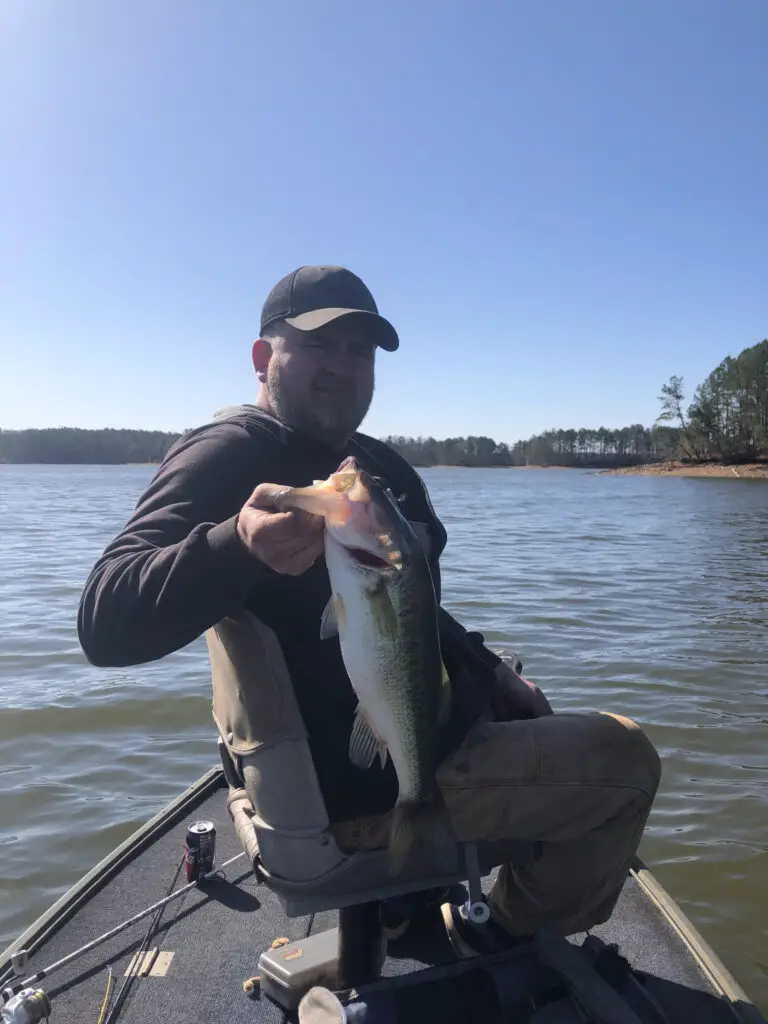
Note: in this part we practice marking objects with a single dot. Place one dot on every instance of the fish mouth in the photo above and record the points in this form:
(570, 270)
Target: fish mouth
(367, 558)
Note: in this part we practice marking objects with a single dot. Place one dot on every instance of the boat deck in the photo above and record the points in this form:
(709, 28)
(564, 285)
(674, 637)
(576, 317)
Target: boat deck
(216, 936)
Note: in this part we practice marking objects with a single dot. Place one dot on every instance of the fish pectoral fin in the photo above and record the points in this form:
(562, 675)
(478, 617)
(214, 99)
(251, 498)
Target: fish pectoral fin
(444, 710)
(329, 624)
(364, 744)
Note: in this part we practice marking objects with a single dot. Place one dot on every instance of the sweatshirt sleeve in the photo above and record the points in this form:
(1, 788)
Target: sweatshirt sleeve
(178, 566)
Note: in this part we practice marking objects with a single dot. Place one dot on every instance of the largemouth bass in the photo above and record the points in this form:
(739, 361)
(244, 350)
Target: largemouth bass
(384, 609)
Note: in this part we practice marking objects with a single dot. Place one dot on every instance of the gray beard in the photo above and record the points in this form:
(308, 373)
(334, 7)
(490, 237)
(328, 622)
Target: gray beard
(334, 426)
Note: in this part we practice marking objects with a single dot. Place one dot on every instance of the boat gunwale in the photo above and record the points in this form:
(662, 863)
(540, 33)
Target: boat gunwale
(707, 960)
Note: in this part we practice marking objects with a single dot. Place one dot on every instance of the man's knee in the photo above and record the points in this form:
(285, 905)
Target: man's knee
(633, 745)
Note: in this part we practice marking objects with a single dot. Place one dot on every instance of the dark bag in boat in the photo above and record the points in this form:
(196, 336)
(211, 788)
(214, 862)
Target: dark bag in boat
(547, 982)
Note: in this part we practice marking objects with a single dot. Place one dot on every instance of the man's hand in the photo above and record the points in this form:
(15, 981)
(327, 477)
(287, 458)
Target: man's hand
(516, 697)
(288, 542)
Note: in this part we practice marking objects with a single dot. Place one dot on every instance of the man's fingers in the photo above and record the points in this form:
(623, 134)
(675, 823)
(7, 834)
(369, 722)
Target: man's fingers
(265, 497)
(312, 522)
(537, 702)
(296, 530)
(517, 697)
(290, 545)
(294, 563)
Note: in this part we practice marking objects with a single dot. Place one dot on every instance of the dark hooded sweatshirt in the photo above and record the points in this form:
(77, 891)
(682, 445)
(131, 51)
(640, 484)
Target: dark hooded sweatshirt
(178, 567)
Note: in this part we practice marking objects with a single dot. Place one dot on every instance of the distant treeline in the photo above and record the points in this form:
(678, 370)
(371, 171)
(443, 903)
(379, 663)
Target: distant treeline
(71, 445)
(628, 446)
(727, 420)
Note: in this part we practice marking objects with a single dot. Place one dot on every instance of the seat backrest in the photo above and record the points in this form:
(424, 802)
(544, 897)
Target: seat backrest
(259, 721)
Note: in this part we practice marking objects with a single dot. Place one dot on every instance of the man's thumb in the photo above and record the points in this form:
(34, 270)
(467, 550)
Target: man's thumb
(265, 497)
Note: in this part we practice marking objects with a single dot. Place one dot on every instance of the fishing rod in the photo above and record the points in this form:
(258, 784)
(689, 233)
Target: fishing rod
(12, 990)
(122, 995)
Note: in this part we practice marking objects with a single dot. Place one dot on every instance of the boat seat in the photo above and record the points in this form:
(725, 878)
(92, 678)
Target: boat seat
(280, 816)
(364, 876)
(357, 884)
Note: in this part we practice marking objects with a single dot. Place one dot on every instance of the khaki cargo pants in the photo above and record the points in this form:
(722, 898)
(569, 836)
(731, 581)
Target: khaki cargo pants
(581, 784)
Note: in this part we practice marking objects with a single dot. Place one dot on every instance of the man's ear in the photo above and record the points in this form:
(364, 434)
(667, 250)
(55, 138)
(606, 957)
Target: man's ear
(261, 354)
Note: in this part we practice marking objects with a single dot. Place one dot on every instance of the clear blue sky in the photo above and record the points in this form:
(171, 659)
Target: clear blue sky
(559, 203)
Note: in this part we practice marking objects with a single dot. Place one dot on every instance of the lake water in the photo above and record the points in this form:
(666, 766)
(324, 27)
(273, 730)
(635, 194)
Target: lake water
(643, 596)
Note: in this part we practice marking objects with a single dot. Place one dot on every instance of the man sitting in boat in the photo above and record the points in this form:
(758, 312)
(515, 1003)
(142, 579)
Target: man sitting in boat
(206, 542)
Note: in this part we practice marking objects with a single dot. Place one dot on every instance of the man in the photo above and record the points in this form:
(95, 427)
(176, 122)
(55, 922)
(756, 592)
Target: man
(206, 540)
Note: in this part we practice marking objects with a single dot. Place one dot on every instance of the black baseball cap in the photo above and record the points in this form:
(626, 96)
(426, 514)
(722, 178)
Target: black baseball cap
(312, 297)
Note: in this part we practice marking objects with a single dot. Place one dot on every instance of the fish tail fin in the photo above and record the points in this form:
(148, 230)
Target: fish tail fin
(422, 829)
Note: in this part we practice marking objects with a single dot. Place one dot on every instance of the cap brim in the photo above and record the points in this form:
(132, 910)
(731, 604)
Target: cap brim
(382, 330)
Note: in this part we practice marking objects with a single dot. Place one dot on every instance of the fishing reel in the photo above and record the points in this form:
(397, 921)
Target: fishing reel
(29, 1006)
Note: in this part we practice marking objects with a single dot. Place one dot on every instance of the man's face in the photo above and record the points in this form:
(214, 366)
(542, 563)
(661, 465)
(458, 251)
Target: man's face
(321, 382)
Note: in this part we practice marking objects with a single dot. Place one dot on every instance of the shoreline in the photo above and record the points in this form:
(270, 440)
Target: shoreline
(445, 465)
(711, 470)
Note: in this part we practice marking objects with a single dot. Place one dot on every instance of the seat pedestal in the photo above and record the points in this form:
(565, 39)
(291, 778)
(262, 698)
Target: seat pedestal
(361, 949)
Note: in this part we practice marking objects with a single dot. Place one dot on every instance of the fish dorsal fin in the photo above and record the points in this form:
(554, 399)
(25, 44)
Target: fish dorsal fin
(364, 744)
(444, 707)
(329, 624)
